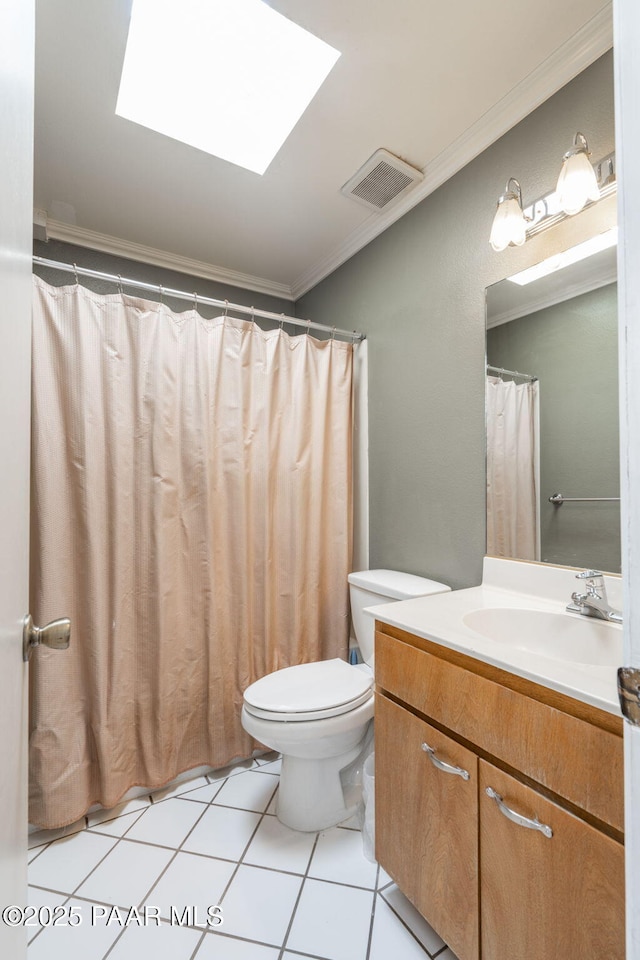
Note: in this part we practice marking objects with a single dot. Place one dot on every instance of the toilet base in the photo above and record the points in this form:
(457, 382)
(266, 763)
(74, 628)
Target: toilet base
(310, 796)
(314, 753)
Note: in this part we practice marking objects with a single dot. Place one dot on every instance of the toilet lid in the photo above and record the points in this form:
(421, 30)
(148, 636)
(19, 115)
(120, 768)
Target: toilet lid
(309, 691)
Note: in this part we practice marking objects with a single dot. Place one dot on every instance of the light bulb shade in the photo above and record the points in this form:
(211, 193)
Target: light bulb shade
(509, 225)
(577, 183)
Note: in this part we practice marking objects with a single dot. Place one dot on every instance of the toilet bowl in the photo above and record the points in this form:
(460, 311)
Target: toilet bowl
(319, 715)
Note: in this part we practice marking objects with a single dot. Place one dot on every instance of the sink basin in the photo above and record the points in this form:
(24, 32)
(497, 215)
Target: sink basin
(576, 639)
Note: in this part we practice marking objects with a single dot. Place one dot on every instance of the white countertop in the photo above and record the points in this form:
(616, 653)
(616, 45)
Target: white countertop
(440, 618)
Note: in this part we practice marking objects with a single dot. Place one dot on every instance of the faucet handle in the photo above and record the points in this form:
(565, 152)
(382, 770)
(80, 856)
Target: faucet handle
(594, 582)
(588, 575)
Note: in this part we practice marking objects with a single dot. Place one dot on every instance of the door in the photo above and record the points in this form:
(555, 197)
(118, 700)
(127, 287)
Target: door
(554, 891)
(16, 204)
(627, 85)
(426, 822)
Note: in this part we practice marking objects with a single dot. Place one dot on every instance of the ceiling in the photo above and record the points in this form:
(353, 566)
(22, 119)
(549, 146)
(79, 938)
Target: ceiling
(432, 82)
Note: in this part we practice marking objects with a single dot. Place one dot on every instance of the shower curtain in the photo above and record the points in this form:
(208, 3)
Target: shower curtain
(512, 469)
(192, 514)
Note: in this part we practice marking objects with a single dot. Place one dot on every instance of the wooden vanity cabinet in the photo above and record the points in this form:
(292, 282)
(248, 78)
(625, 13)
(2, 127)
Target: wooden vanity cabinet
(546, 896)
(489, 885)
(426, 823)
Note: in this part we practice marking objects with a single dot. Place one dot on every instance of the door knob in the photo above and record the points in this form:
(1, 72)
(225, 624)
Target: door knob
(55, 635)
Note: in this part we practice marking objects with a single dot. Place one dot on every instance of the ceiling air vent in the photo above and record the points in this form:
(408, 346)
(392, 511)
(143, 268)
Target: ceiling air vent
(381, 181)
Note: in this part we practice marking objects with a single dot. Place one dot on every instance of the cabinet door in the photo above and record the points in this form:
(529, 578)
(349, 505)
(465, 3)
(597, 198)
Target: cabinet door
(426, 823)
(546, 897)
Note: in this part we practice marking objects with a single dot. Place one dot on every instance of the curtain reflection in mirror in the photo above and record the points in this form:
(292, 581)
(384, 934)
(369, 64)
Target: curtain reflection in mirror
(512, 469)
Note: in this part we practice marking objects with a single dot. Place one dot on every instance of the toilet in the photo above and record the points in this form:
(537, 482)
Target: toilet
(319, 715)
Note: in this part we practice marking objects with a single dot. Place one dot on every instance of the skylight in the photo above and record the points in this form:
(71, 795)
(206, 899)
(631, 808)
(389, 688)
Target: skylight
(230, 77)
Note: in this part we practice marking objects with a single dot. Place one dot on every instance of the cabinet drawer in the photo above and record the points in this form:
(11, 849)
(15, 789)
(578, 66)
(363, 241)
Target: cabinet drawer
(573, 758)
(546, 897)
(426, 822)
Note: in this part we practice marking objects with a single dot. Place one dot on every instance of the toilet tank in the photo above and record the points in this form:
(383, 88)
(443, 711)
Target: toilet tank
(370, 587)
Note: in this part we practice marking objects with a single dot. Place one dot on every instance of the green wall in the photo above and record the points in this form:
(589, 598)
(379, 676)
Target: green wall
(418, 292)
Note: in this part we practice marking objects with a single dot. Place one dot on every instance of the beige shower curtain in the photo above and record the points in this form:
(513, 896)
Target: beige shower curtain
(192, 515)
(512, 469)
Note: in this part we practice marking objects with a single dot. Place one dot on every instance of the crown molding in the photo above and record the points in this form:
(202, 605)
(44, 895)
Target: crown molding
(70, 233)
(565, 63)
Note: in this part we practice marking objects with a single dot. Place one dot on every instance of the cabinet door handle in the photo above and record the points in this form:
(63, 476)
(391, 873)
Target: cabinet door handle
(441, 765)
(517, 817)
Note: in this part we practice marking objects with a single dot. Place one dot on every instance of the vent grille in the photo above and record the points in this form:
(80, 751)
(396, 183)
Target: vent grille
(381, 180)
(382, 185)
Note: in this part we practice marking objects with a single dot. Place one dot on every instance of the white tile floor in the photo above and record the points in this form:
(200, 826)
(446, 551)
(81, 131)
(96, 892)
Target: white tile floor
(216, 841)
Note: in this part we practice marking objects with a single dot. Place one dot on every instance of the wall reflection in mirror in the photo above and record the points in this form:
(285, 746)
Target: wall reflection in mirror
(552, 420)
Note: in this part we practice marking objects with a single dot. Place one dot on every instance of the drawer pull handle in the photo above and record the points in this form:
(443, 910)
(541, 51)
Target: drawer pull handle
(517, 817)
(441, 765)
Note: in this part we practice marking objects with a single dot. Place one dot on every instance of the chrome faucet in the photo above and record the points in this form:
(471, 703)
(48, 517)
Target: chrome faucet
(593, 603)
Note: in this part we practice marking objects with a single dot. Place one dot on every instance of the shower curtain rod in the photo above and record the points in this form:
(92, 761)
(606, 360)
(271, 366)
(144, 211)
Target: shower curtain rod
(512, 373)
(195, 298)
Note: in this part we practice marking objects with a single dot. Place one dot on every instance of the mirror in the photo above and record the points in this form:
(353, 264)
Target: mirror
(553, 428)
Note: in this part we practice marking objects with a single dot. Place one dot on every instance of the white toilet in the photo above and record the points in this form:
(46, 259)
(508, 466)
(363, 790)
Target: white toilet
(318, 715)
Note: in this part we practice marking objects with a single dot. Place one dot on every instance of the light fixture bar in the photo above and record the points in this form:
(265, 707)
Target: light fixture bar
(546, 212)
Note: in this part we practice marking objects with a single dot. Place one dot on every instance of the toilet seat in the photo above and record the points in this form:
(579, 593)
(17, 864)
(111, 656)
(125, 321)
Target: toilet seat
(309, 691)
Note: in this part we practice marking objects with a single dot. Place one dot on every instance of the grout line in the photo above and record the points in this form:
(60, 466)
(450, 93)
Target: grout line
(116, 840)
(390, 883)
(230, 936)
(305, 956)
(178, 796)
(38, 854)
(177, 851)
(116, 816)
(373, 915)
(112, 947)
(240, 861)
(231, 767)
(231, 806)
(408, 928)
(42, 929)
(295, 906)
(100, 833)
(198, 945)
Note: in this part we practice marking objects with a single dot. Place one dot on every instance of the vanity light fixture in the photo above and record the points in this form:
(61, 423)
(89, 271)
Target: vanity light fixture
(509, 224)
(580, 183)
(577, 183)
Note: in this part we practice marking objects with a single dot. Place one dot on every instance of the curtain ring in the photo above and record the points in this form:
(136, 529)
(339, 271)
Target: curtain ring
(226, 308)
(253, 314)
(120, 285)
(161, 288)
(282, 321)
(75, 271)
(195, 300)
(333, 333)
